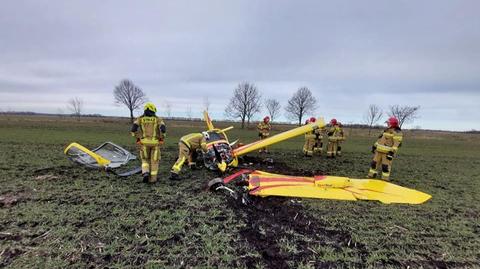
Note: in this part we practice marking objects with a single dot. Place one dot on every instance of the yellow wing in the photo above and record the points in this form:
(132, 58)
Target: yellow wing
(332, 187)
(208, 121)
(320, 123)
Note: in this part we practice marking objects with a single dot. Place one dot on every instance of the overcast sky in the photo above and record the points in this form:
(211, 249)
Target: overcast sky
(349, 53)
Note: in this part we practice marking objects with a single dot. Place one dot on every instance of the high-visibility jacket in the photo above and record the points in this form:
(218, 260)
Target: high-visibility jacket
(335, 133)
(150, 130)
(389, 141)
(310, 135)
(264, 128)
(194, 141)
(319, 133)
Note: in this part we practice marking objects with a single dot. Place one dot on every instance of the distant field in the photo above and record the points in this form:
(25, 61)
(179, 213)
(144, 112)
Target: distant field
(56, 214)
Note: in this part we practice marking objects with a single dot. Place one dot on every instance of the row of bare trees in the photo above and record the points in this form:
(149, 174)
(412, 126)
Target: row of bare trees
(246, 102)
(404, 114)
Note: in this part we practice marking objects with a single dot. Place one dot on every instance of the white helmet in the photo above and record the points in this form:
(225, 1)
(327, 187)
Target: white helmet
(206, 135)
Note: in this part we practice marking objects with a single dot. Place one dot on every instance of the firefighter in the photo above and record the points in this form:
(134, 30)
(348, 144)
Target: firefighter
(335, 135)
(187, 147)
(385, 149)
(149, 130)
(264, 128)
(318, 146)
(309, 140)
(341, 140)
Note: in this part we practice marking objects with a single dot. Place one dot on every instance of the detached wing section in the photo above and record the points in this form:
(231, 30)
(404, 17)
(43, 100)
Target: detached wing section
(331, 187)
(320, 123)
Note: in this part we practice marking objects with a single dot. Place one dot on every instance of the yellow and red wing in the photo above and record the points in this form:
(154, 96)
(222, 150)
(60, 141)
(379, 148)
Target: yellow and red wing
(331, 187)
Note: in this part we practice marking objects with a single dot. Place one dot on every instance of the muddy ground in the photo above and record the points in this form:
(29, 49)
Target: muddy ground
(54, 214)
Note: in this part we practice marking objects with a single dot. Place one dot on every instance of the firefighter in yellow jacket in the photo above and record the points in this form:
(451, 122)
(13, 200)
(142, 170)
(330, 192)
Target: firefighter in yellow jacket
(187, 147)
(309, 139)
(318, 146)
(149, 131)
(264, 128)
(385, 149)
(335, 136)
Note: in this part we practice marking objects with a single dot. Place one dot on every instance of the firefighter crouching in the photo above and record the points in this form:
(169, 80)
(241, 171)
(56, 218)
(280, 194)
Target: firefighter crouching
(149, 131)
(385, 149)
(335, 136)
(309, 140)
(264, 128)
(187, 147)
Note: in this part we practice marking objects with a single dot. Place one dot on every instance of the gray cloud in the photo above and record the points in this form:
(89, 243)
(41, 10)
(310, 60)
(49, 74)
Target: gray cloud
(350, 53)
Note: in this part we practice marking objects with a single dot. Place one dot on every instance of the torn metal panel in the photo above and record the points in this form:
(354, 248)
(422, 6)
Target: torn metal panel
(107, 155)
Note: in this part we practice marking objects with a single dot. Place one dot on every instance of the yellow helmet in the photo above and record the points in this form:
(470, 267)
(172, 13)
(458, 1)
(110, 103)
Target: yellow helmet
(150, 106)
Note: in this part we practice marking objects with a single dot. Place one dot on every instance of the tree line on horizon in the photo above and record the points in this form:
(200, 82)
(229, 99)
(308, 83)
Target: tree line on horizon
(246, 102)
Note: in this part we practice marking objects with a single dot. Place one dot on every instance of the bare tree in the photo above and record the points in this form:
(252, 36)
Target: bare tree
(404, 114)
(273, 108)
(130, 95)
(206, 103)
(75, 105)
(245, 103)
(168, 108)
(301, 103)
(373, 115)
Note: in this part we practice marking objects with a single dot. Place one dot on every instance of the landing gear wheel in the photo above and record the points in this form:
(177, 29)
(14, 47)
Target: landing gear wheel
(215, 183)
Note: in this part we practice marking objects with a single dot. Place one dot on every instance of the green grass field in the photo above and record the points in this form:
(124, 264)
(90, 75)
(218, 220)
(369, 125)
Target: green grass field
(56, 214)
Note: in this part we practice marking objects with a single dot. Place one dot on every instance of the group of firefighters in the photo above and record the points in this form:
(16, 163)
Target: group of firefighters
(150, 132)
(314, 139)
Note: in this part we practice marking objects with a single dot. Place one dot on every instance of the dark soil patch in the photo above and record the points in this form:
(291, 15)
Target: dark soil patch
(8, 255)
(10, 199)
(10, 237)
(271, 219)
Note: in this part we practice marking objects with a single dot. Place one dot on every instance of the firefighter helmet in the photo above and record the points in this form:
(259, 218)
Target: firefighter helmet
(312, 120)
(333, 122)
(392, 122)
(150, 106)
(266, 119)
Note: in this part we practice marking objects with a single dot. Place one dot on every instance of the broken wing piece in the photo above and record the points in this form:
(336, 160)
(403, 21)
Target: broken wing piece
(107, 155)
(331, 187)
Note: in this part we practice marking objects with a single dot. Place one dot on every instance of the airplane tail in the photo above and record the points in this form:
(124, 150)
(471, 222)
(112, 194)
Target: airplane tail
(208, 121)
